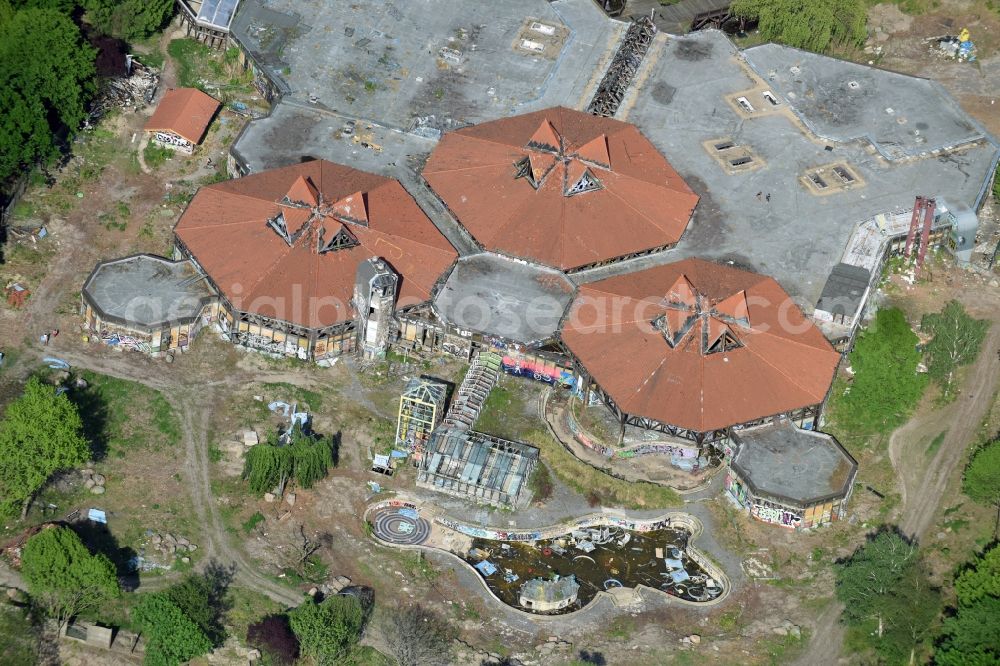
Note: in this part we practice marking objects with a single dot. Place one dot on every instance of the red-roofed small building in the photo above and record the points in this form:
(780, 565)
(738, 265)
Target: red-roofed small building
(181, 119)
(561, 188)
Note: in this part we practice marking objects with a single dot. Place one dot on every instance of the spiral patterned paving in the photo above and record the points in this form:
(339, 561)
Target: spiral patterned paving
(393, 526)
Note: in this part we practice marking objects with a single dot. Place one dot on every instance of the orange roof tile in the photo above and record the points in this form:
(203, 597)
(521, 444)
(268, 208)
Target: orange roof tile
(225, 229)
(782, 361)
(636, 202)
(186, 112)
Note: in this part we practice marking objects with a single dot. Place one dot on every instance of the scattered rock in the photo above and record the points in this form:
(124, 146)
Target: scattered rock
(156, 539)
(170, 538)
(694, 639)
(185, 560)
(89, 483)
(97, 490)
(290, 498)
(99, 479)
(87, 471)
(183, 542)
(253, 655)
(312, 592)
(269, 497)
(192, 547)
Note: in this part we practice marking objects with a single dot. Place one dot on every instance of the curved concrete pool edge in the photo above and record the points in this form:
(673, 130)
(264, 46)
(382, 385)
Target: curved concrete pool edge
(605, 517)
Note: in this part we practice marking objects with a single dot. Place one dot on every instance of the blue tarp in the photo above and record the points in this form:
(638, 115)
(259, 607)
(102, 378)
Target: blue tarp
(399, 454)
(673, 564)
(486, 568)
(409, 513)
(97, 516)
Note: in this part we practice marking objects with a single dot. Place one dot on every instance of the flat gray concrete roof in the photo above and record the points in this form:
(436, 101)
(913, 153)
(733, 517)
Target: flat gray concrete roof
(799, 465)
(903, 116)
(146, 292)
(493, 295)
(798, 236)
(435, 64)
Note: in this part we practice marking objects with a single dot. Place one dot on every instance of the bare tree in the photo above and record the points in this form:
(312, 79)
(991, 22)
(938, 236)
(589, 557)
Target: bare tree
(302, 547)
(417, 636)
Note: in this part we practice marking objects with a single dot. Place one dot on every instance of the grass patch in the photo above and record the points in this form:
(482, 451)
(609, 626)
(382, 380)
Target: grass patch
(306, 399)
(365, 655)
(155, 155)
(252, 522)
(936, 443)
(247, 607)
(120, 415)
(20, 638)
(154, 59)
(189, 55)
(540, 483)
(599, 487)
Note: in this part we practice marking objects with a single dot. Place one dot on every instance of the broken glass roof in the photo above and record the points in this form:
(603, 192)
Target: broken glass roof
(217, 13)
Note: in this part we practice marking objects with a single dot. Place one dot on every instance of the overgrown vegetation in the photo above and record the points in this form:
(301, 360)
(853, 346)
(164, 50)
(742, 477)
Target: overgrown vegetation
(19, 646)
(129, 19)
(886, 385)
(981, 481)
(40, 434)
(971, 631)
(64, 578)
(296, 454)
(540, 483)
(48, 76)
(815, 25)
(889, 604)
(156, 155)
(149, 422)
(599, 487)
(956, 340)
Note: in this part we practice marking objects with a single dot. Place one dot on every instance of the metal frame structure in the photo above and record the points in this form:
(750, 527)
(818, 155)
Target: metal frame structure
(471, 464)
(623, 68)
(421, 408)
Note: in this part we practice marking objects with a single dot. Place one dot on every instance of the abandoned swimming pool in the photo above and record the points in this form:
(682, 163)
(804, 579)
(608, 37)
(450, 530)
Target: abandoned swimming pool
(562, 569)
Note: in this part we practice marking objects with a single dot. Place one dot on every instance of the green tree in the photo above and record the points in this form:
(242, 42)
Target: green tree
(172, 638)
(40, 434)
(807, 24)
(63, 577)
(204, 599)
(981, 481)
(46, 78)
(298, 455)
(888, 601)
(129, 19)
(956, 341)
(970, 636)
(886, 384)
(328, 629)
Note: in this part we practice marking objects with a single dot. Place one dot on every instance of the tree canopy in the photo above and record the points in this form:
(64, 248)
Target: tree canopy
(807, 24)
(273, 636)
(172, 638)
(41, 433)
(46, 79)
(63, 577)
(298, 455)
(886, 384)
(204, 599)
(971, 635)
(327, 629)
(129, 19)
(956, 340)
(981, 481)
(888, 600)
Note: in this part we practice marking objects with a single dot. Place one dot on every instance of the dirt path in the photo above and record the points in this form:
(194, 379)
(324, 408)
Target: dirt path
(193, 405)
(923, 486)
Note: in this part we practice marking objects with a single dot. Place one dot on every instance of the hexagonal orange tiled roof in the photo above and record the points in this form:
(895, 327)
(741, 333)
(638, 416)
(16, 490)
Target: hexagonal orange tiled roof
(560, 187)
(699, 345)
(286, 243)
